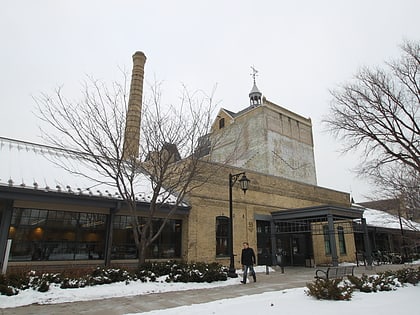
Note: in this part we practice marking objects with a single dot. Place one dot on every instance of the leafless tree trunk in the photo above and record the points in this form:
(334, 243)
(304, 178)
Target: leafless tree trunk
(378, 113)
(404, 185)
(92, 130)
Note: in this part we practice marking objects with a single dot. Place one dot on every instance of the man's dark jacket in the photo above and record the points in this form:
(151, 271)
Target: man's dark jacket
(248, 257)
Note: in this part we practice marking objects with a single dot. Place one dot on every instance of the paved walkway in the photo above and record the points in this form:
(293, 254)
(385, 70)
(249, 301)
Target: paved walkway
(293, 277)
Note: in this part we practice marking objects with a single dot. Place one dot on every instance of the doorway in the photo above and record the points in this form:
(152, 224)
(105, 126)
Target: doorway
(293, 249)
(264, 253)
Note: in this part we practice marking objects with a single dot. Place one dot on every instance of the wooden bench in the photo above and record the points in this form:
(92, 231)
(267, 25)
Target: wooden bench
(335, 272)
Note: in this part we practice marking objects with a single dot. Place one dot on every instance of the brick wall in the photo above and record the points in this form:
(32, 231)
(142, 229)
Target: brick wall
(265, 194)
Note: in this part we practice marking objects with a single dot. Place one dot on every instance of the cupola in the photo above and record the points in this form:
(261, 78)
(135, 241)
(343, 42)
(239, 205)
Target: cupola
(255, 96)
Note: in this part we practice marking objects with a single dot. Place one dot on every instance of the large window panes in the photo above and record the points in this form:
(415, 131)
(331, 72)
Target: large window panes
(327, 243)
(56, 235)
(264, 242)
(167, 245)
(222, 228)
(341, 240)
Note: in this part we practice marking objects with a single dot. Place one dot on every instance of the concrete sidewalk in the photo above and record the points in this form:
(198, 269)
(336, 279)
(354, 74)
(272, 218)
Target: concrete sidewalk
(293, 277)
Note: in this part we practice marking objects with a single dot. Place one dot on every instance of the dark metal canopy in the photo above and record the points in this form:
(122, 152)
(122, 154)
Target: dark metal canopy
(40, 195)
(301, 220)
(318, 211)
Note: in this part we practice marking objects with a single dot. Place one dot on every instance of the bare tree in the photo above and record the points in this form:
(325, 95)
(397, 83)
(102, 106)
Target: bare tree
(400, 183)
(378, 112)
(92, 130)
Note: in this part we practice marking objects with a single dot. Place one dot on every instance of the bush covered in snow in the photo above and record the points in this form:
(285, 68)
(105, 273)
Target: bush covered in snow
(375, 283)
(408, 275)
(174, 271)
(325, 289)
(170, 271)
(339, 289)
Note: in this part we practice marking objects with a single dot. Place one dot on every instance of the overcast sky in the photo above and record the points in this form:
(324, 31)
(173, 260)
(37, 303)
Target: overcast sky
(300, 48)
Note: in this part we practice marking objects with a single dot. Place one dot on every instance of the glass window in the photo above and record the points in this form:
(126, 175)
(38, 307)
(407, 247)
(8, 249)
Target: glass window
(341, 240)
(327, 243)
(221, 123)
(167, 245)
(295, 243)
(222, 237)
(39, 234)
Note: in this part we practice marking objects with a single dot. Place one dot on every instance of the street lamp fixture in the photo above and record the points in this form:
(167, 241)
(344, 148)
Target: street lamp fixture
(244, 183)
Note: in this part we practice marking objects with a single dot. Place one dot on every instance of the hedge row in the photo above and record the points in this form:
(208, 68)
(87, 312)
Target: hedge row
(12, 284)
(340, 289)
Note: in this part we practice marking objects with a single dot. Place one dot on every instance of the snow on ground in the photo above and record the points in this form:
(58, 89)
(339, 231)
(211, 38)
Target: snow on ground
(56, 295)
(294, 301)
(291, 301)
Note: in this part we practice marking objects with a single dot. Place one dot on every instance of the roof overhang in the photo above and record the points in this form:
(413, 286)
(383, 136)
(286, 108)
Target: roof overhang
(81, 200)
(318, 211)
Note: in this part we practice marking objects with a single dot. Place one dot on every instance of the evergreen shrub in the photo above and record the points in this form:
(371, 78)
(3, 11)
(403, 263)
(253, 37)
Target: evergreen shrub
(342, 290)
(170, 271)
(325, 289)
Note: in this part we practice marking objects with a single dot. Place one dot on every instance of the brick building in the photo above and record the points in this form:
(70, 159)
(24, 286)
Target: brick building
(54, 219)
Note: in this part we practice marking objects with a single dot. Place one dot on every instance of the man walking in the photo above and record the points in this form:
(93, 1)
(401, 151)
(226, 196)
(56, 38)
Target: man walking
(248, 260)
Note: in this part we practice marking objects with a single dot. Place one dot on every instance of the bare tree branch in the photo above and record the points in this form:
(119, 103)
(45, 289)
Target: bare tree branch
(379, 113)
(92, 130)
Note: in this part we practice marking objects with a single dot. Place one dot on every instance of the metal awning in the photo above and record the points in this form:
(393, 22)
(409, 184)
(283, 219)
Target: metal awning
(53, 197)
(301, 220)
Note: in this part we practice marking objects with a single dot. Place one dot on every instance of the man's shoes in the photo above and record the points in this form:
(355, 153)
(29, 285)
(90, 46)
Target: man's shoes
(243, 282)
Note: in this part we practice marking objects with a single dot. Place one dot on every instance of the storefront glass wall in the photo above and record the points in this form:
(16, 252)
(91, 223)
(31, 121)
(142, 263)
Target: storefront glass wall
(167, 245)
(39, 234)
(56, 235)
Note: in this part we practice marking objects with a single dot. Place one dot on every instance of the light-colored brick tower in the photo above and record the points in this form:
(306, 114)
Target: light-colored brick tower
(133, 120)
(266, 138)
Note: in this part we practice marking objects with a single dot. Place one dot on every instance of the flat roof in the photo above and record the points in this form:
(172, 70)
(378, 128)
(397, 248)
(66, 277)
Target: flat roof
(318, 211)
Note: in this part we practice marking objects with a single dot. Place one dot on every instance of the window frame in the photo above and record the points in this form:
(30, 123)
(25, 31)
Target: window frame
(222, 236)
(221, 123)
(341, 240)
(327, 240)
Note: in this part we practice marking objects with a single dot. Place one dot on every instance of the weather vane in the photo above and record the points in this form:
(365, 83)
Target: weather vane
(254, 72)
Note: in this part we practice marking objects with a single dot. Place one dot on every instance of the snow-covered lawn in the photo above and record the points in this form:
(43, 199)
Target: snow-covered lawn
(294, 301)
(56, 295)
(287, 302)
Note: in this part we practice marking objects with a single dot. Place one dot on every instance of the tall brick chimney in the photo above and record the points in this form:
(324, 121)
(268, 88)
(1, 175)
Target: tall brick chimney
(133, 119)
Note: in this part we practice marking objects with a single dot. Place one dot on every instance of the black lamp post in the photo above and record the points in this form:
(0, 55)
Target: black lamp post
(244, 182)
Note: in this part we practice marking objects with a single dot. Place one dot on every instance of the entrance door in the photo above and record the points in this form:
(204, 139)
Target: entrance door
(263, 243)
(292, 249)
(299, 248)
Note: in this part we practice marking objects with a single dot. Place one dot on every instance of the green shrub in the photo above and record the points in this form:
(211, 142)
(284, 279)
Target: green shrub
(8, 290)
(109, 275)
(174, 272)
(375, 283)
(408, 275)
(159, 268)
(325, 289)
(69, 283)
(5, 286)
(182, 272)
(43, 286)
(385, 281)
(18, 280)
(198, 272)
(363, 284)
(42, 282)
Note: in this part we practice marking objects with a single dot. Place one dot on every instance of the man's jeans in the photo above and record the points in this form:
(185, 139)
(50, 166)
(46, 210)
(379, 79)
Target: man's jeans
(251, 271)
